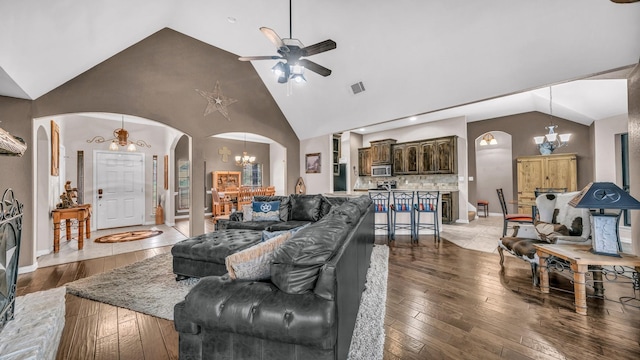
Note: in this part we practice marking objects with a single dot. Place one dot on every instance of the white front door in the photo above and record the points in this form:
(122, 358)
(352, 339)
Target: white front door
(119, 194)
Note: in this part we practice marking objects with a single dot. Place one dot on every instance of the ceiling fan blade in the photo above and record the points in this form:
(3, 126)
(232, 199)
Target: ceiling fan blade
(319, 69)
(266, 57)
(274, 38)
(319, 47)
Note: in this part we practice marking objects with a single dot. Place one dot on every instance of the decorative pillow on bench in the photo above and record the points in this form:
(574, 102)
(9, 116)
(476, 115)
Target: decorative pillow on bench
(549, 232)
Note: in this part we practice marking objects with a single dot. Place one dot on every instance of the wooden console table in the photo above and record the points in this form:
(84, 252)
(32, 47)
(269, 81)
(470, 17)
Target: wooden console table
(580, 258)
(82, 213)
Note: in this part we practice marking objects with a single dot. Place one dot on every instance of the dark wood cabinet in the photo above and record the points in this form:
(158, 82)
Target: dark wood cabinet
(449, 207)
(405, 158)
(433, 156)
(381, 151)
(364, 161)
(438, 156)
(398, 159)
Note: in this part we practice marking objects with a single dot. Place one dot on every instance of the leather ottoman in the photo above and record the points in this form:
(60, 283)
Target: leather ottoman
(204, 255)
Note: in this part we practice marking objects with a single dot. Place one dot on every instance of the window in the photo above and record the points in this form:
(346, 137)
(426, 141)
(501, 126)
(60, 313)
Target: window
(252, 175)
(183, 185)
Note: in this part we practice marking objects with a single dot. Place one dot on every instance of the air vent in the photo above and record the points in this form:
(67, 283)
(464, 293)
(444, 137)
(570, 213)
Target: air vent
(357, 87)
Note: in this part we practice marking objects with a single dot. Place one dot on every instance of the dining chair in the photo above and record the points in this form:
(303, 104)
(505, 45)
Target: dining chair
(514, 218)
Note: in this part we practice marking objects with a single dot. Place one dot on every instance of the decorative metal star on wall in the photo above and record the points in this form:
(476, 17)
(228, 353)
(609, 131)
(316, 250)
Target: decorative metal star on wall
(217, 101)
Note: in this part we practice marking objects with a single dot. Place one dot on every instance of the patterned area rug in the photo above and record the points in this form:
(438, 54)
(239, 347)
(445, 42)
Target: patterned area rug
(128, 236)
(151, 288)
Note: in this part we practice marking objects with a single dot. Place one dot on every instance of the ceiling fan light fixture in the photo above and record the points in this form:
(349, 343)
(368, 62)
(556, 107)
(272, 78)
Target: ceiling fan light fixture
(299, 78)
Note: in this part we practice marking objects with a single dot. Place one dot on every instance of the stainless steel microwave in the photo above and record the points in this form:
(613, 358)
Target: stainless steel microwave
(381, 170)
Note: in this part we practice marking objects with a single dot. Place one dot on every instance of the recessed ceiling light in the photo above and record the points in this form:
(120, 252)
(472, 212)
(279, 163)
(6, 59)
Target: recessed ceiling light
(363, 129)
(231, 19)
(413, 118)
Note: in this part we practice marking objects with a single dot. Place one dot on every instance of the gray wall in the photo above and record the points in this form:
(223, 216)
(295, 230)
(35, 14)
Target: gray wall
(155, 79)
(522, 128)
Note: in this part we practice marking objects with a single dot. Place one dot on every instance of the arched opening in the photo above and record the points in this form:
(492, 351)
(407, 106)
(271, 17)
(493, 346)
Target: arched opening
(91, 134)
(494, 169)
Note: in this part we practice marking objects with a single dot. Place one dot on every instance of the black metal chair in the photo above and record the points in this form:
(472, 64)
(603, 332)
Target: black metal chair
(382, 216)
(515, 218)
(426, 205)
(401, 203)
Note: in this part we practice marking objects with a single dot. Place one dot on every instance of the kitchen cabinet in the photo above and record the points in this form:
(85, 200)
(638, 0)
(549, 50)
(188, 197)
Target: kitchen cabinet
(438, 156)
(364, 161)
(381, 151)
(544, 171)
(405, 158)
(449, 207)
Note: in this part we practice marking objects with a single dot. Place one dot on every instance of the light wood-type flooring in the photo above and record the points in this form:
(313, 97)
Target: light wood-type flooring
(443, 302)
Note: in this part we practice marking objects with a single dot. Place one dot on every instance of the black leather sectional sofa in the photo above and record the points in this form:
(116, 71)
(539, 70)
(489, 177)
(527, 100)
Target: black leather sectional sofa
(306, 310)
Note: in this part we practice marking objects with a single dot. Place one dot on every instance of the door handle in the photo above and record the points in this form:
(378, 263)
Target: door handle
(99, 193)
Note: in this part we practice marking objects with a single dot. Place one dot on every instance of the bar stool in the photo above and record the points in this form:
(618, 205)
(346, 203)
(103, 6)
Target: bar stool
(382, 216)
(484, 205)
(402, 202)
(427, 203)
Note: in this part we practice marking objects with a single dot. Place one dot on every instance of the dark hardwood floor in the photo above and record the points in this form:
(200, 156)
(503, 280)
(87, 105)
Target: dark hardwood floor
(442, 303)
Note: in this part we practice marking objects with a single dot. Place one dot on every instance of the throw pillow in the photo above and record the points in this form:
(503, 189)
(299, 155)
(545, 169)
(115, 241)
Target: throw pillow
(266, 235)
(306, 207)
(549, 232)
(247, 212)
(266, 211)
(254, 263)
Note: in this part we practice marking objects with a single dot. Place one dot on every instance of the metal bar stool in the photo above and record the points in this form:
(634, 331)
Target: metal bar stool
(402, 202)
(382, 216)
(427, 206)
(484, 206)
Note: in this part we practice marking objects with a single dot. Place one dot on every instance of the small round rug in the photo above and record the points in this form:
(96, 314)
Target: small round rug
(128, 236)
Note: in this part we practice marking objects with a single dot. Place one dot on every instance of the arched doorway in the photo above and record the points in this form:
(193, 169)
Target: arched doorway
(494, 169)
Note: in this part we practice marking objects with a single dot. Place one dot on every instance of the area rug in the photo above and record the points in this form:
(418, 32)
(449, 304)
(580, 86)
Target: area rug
(128, 236)
(35, 331)
(149, 287)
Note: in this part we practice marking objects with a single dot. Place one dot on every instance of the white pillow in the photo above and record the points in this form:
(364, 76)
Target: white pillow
(247, 212)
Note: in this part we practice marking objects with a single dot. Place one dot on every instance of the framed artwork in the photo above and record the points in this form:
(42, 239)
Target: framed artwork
(55, 148)
(312, 164)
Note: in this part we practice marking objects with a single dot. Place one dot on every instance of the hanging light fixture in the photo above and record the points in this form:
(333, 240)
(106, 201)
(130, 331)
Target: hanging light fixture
(120, 138)
(488, 139)
(245, 159)
(548, 143)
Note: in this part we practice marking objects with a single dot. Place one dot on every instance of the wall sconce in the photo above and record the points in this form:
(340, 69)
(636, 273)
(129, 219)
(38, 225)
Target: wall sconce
(488, 139)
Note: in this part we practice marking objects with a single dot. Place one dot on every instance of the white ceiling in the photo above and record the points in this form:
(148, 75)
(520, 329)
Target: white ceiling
(413, 56)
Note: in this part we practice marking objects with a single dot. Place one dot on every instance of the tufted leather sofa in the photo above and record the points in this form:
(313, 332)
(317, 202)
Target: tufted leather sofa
(307, 310)
(295, 210)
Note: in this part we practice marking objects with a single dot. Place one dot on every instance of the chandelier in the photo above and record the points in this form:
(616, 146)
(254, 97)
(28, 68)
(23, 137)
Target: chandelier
(548, 143)
(120, 138)
(245, 159)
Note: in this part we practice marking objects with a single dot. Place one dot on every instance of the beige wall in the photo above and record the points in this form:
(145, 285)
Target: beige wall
(155, 79)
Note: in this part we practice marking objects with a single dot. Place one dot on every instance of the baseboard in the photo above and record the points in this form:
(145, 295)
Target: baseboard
(43, 252)
(27, 269)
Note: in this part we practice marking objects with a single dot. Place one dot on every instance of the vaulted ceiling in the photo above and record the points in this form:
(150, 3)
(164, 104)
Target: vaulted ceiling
(414, 57)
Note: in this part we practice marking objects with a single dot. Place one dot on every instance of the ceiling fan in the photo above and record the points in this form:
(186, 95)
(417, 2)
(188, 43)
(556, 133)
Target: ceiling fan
(293, 51)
